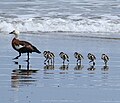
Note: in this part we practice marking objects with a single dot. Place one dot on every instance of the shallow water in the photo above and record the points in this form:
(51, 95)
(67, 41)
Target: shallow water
(58, 83)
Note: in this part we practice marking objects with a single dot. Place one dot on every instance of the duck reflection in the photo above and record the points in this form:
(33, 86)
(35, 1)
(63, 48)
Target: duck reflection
(78, 67)
(22, 77)
(105, 68)
(64, 67)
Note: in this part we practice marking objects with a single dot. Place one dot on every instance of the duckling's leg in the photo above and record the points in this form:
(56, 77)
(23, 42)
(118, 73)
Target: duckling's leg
(80, 62)
(68, 60)
(90, 61)
(93, 63)
(105, 63)
(53, 61)
(17, 56)
(48, 61)
(77, 61)
(63, 62)
(45, 61)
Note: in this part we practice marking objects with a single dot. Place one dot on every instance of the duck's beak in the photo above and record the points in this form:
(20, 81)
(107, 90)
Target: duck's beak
(11, 32)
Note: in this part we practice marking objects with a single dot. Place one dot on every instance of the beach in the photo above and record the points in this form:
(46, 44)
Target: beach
(69, 26)
(58, 83)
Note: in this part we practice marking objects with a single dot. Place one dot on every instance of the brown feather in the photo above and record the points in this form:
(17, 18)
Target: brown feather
(27, 47)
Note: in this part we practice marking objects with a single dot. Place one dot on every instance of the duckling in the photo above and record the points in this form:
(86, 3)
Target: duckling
(52, 56)
(49, 56)
(92, 58)
(105, 58)
(78, 56)
(64, 56)
(45, 55)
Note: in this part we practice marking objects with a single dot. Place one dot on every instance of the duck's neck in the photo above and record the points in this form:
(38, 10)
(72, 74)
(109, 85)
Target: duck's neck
(16, 36)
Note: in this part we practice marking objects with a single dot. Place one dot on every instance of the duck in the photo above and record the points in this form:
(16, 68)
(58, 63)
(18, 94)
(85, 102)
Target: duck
(91, 57)
(22, 46)
(49, 56)
(64, 56)
(105, 58)
(78, 56)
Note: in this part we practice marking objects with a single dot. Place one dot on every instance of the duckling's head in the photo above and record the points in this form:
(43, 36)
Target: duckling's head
(103, 54)
(15, 32)
(76, 53)
(61, 53)
(89, 54)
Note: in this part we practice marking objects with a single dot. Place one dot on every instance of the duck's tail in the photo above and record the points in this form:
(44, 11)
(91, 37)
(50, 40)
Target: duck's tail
(36, 50)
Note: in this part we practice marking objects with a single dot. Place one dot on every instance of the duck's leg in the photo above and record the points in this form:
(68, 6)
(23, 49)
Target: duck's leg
(17, 56)
(28, 57)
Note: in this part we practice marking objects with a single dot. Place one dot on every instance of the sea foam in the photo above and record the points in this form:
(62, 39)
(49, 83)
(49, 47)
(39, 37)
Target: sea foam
(68, 24)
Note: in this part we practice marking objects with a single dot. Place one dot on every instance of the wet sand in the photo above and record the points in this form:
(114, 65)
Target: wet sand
(60, 84)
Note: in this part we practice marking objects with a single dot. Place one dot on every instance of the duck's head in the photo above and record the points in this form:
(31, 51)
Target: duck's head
(15, 32)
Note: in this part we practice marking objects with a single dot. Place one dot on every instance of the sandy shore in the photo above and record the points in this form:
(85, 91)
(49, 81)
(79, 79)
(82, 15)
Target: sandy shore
(58, 84)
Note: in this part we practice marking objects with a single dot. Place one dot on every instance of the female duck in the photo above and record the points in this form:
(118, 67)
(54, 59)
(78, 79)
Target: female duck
(22, 46)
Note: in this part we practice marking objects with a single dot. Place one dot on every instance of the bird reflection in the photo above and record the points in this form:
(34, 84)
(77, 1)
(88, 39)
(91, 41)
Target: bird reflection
(105, 68)
(78, 67)
(64, 67)
(91, 68)
(21, 76)
(19, 66)
(49, 67)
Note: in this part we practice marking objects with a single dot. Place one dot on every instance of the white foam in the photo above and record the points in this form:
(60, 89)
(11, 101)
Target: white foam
(70, 24)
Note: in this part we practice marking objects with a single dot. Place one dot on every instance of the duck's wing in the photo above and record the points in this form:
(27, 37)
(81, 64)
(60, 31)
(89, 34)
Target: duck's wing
(16, 43)
(24, 43)
(28, 46)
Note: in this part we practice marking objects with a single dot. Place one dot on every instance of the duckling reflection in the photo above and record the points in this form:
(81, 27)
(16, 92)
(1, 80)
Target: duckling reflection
(105, 68)
(22, 77)
(64, 67)
(78, 67)
(49, 67)
(91, 68)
